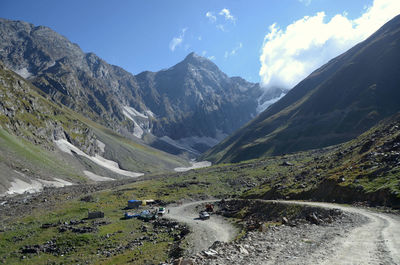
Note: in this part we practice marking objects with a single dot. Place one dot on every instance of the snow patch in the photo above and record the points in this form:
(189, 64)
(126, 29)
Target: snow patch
(194, 166)
(19, 186)
(263, 106)
(58, 183)
(137, 131)
(24, 72)
(133, 114)
(67, 147)
(130, 112)
(101, 145)
(150, 113)
(95, 177)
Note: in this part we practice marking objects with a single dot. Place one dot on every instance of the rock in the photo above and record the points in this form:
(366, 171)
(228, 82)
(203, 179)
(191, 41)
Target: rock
(314, 219)
(242, 250)
(285, 220)
(263, 228)
(210, 253)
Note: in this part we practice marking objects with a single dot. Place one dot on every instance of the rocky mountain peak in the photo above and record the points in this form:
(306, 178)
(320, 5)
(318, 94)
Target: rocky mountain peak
(197, 61)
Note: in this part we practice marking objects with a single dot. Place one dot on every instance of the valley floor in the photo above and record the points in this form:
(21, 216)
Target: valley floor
(357, 236)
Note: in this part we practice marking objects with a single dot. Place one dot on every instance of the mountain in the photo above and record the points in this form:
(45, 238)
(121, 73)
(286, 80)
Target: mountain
(198, 103)
(184, 109)
(335, 103)
(46, 144)
(365, 169)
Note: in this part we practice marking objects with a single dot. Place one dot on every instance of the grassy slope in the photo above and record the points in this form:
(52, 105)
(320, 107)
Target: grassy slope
(27, 132)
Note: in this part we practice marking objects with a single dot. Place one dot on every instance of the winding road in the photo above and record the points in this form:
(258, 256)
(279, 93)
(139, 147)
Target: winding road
(204, 232)
(375, 242)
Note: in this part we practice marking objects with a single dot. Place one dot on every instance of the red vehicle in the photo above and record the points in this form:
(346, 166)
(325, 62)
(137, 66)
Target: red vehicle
(209, 208)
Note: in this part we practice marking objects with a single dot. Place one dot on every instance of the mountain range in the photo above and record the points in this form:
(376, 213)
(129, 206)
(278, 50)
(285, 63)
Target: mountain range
(184, 109)
(68, 113)
(334, 104)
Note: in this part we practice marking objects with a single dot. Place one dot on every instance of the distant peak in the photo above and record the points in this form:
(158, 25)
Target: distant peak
(192, 56)
(197, 61)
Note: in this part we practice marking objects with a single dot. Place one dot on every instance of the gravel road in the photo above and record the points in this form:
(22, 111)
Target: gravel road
(204, 232)
(375, 242)
(362, 236)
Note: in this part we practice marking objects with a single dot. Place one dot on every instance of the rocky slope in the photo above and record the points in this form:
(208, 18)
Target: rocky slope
(45, 144)
(186, 108)
(336, 103)
(200, 105)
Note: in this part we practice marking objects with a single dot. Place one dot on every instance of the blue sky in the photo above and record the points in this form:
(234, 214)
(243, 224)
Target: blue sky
(156, 34)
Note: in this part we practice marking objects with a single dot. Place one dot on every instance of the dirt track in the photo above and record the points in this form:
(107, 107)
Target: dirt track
(375, 241)
(204, 232)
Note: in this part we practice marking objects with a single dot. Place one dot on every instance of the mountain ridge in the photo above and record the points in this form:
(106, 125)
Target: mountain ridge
(335, 103)
(205, 102)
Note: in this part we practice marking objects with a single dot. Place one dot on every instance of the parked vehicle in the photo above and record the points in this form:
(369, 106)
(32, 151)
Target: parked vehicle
(146, 215)
(129, 215)
(204, 215)
(161, 211)
(209, 208)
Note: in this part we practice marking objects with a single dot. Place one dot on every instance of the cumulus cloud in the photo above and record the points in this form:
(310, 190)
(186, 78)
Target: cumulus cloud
(289, 55)
(176, 41)
(211, 17)
(227, 14)
(233, 51)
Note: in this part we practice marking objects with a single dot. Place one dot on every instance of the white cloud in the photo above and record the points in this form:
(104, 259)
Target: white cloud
(289, 55)
(228, 19)
(211, 17)
(233, 51)
(212, 58)
(305, 2)
(176, 41)
(227, 14)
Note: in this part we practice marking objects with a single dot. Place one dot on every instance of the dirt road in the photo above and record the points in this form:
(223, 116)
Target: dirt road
(375, 241)
(204, 232)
